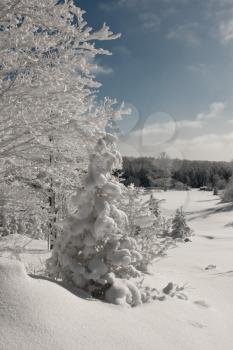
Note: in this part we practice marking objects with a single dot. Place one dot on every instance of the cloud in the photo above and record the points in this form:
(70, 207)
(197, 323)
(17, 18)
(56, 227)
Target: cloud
(207, 147)
(153, 137)
(186, 138)
(122, 50)
(199, 68)
(145, 5)
(216, 110)
(97, 69)
(186, 33)
(150, 21)
(193, 124)
(226, 31)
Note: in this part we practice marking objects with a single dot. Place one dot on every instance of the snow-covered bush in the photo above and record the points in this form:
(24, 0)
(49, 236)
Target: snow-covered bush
(180, 229)
(94, 250)
(154, 206)
(146, 225)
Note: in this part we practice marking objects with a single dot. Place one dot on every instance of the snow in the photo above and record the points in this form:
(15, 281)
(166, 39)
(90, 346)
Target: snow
(38, 314)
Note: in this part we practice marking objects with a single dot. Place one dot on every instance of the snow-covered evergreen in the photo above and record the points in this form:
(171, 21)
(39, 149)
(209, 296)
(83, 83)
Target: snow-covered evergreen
(180, 228)
(146, 225)
(95, 251)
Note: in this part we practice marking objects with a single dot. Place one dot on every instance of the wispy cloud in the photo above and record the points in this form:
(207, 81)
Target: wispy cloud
(207, 147)
(150, 21)
(122, 50)
(101, 70)
(226, 31)
(187, 33)
(198, 68)
(216, 110)
(140, 3)
(189, 138)
(190, 124)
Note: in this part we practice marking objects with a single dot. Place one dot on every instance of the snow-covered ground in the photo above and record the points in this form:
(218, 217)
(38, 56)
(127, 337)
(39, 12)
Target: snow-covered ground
(37, 314)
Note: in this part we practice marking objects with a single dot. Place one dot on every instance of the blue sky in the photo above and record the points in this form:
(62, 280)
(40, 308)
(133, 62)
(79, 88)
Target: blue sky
(174, 66)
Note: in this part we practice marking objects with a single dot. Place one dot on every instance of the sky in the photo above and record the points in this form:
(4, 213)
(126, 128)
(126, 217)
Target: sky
(173, 66)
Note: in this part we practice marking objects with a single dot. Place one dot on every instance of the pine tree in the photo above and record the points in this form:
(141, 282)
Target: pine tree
(94, 251)
(180, 229)
(146, 225)
(154, 206)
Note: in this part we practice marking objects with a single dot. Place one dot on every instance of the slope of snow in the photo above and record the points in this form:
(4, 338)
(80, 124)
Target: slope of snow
(38, 314)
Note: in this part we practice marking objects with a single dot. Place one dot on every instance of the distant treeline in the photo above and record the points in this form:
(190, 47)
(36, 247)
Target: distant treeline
(174, 173)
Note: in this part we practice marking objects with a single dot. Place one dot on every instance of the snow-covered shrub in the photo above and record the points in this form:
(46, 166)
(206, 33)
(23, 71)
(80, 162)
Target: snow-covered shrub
(31, 228)
(146, 225)
(154, 206)
(180, 229)
(94, 250)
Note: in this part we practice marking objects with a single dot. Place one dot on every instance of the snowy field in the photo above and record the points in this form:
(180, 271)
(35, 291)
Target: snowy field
(37, 314)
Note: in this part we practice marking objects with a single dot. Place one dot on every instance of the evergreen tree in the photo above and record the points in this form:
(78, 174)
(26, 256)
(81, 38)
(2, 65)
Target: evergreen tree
(146, 225)
(180, 229)
(95, 251)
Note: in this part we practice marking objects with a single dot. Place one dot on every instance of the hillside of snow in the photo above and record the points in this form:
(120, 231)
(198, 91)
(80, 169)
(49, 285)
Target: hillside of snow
(38, 314)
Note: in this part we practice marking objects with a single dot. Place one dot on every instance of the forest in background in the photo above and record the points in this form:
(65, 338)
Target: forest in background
(166, 173)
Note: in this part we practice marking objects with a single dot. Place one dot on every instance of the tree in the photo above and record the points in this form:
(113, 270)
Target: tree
(146, 225)
(95, 252)
(180, 229)
(47, 95)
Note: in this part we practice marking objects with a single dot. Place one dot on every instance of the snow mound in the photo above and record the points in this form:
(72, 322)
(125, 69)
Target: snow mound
(39, 314)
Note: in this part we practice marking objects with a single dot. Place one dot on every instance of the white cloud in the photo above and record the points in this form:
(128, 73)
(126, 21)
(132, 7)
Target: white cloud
(193, 124)
(150, 21)
(154, 137)
(122, 50)
(186, 33)
(202, 147)
(207, 147)
(216, 110)
(101, 70)
(226, 31)
(189, 138)
(199, 68)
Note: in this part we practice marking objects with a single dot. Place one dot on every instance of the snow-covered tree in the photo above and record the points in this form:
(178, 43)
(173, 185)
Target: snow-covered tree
(154, 206)
(146, 225)
(47, 94)
(95, 251)
(180, 228)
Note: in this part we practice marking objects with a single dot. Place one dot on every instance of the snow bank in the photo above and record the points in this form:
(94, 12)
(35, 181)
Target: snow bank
(37, 314)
